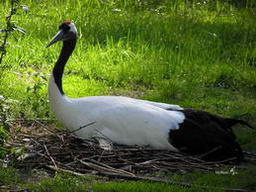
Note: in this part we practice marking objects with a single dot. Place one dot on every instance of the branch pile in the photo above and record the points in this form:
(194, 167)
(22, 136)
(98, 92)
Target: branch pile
(63, 151)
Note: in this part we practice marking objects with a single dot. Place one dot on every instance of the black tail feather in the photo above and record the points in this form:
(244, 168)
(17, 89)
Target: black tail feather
(233, 122)
(202, 133)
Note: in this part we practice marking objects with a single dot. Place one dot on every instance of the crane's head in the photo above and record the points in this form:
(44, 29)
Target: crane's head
(67, 31)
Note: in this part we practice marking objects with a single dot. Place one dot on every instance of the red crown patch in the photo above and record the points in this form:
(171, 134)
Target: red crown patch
(68, 22)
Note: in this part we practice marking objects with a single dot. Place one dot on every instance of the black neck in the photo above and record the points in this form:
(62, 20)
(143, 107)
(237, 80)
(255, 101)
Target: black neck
(67, 49)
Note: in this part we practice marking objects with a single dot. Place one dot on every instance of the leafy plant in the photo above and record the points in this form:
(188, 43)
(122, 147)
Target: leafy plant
(5, 103)
(10, 27)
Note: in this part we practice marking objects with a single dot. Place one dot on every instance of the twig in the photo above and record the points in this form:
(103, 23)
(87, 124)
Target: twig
(123, 162)
(106, 168)
(104, 137)
(47, 152)
(209, 152)
(45, 127)
(87, 125)
(148, 162)
(58, 169)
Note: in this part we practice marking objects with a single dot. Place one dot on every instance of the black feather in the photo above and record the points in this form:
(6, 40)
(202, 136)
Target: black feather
(211, 136)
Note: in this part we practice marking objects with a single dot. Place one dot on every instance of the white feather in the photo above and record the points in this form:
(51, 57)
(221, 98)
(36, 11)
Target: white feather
(123, 120)
(73, 28)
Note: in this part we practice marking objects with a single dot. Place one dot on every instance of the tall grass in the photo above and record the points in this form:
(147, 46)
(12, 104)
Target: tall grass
(199, 54)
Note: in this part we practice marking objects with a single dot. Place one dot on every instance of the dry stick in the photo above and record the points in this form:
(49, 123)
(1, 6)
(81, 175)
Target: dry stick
(148, 161)
(58, 169)
(126, 161)
(45, 127)
(123, 152)
(5, 188)
(250, 156)
(84, 126)
(221, 162)
(209, 152)
(101, 155)
(105, 169)
(107, 166)
(249, 153)
(104, 136)
(116, 174)
(47, 152)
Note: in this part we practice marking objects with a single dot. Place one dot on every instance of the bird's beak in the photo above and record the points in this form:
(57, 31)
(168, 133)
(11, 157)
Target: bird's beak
(58, 37)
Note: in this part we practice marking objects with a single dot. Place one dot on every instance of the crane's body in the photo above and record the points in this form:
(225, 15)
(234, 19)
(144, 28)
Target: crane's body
(123, 120)
(132, 121)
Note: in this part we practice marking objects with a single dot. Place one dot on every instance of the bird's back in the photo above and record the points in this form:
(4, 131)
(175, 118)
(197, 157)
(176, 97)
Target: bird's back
(124, 120)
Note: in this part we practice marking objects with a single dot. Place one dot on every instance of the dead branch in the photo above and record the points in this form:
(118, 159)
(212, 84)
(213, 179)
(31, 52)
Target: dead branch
(49, 155)
(106, 169)
(61, 151)
(65, 171)
(82, 127)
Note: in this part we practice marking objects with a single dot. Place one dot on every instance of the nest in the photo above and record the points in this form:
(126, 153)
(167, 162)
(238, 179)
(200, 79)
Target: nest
(59, 150)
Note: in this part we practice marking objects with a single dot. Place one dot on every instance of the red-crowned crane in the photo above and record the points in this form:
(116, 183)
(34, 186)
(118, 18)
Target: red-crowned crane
(130, 121)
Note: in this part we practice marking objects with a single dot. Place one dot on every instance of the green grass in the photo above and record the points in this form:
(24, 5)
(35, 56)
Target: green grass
(171, 55)
(201, 56)
(239, 179)
(137, 187)
(65, 182)
(8, 176)
(57, 184)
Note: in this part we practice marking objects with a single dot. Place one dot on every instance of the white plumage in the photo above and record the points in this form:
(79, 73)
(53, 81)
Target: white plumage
(121, 119)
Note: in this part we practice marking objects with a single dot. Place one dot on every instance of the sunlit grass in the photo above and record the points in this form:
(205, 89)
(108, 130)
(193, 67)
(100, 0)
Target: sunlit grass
(58, 184)
(201, 56)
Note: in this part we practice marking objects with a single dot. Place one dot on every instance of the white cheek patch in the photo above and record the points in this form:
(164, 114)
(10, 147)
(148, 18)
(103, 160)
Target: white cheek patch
(73, 28)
